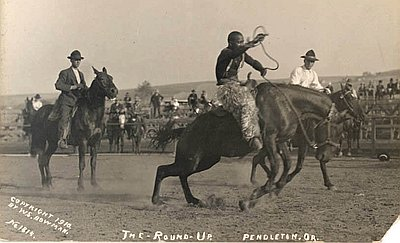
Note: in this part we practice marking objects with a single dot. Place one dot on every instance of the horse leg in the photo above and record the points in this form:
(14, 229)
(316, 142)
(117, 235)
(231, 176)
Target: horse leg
(49, 152)
(138, 143)
(82, 151)
(327, 182)
(41, 164)
(122, 141)
(188, 194)
(163, 171)
(257, 193)
(271, 151)
(93, 163)
(286, 167)
(340, 151)
(349, 144)
(301, 154)
(259, 159)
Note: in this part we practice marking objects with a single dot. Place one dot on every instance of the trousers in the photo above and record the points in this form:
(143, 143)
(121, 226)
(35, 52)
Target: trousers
(239, 101)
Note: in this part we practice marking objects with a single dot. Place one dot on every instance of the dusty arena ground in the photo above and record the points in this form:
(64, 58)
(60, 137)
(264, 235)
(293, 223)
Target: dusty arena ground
(364, 207)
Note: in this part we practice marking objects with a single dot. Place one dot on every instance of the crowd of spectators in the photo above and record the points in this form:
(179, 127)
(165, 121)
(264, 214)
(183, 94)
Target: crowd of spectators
(380, 90)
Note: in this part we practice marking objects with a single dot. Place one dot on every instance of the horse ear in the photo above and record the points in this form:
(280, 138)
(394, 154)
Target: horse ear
(104, 70)
(95, 70)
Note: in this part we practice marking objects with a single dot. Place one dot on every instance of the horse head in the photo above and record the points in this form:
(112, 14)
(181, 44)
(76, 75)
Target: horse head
(103, 84)
(348, 100)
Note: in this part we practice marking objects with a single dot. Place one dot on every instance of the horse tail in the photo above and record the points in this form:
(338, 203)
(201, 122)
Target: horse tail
(38, 127)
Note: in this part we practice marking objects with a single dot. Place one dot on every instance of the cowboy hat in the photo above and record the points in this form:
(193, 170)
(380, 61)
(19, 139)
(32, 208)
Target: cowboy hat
(75, 55)
(37, 96)
(310, 55)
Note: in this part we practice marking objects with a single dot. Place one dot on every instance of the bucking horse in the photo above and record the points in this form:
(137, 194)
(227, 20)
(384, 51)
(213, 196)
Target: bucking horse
(284, 110)
(86, 128)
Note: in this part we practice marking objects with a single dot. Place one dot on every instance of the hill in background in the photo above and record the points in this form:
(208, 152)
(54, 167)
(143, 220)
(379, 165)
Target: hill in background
(182, 90)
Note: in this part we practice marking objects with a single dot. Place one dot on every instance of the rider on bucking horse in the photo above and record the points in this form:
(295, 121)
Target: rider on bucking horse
(233, 95)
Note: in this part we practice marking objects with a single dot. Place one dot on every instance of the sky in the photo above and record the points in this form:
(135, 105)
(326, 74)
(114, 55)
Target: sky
(178, 41)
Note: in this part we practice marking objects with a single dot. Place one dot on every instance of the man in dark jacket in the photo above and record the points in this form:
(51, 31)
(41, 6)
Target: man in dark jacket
(70, 82)
(155, 102)
(193, 101)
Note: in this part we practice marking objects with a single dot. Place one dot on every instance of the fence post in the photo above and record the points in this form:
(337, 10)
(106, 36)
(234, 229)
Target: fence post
(373, 137)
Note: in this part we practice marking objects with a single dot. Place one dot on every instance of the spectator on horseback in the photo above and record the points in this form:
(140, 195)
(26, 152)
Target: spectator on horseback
(305, 76)
(127, 100)
(155, 102)
(137, 106)
(362, 90)
(380, 90)
(391, 88)
(193, 101)
(70, 82)
(36, 102)
(204, 101)
(348, 87)
(370, 89)
(116, 109)
(233, 95)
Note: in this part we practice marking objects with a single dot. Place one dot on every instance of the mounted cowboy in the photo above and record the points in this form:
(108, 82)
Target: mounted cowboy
(233, 96)
(36, 102)
(70, 82)
(305, 76)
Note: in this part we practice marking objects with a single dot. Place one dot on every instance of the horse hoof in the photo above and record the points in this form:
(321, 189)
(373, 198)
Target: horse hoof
(80, 189)
(158, 202)
(244, 205)
(332, 188)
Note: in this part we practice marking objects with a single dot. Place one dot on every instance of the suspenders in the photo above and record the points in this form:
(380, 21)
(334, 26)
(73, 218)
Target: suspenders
(231, 62)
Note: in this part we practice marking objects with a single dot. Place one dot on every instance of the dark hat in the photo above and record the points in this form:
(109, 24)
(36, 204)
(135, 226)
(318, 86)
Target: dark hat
(37, 96)
(75, 55)
(310, 55)
(193, 90)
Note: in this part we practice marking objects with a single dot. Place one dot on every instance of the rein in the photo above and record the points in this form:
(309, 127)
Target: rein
(343, 97)
(328, 139)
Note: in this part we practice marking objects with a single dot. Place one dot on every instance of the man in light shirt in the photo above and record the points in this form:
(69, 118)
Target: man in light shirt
(70, 82)
(305, 76)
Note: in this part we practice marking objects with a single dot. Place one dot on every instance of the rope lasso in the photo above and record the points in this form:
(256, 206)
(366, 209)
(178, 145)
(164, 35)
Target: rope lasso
(264, 32)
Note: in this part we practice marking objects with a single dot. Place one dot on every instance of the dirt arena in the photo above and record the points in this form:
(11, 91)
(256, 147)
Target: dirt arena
(364, 207)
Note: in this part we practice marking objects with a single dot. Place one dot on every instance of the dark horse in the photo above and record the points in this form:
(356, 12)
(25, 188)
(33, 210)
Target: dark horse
(352, 127)
(343, 101)
(135, 129)
(85, 128)
(115, 132)
(210, 136)
(352, 133)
